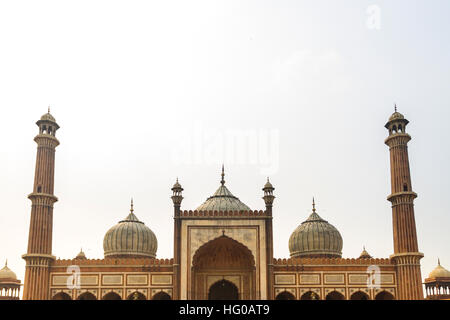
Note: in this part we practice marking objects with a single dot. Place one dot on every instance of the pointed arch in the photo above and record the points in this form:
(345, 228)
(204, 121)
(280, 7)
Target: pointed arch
(223, 258)
(359, 295)
(223, 290)
(334, 295)
(285, 295)
(136, 295)
(310, 295)
(86, 296)
(208, 251)
(61, 296)
(162, 296)
(384, 295)
(111, 296)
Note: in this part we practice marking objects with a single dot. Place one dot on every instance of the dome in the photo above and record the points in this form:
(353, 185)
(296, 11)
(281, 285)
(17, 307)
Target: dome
(81, 255)
(268, 185)
(177, 186)
(130, 238)
(364, 254)
(396, 116)
(439, 272)
(7, 274)
(223, 200)
(48, 117)
(315, 237)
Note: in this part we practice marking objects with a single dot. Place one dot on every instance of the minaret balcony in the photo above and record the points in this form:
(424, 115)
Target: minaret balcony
(405, 197)
(42, 198)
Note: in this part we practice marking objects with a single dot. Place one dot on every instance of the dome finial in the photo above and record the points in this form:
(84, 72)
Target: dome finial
(395, 107)
(132, 209)
(314, 205)
(6, 263)
(223, 175)
(439, 262)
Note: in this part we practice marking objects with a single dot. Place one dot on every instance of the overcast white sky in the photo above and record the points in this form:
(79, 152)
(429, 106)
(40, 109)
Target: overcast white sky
(146, 92)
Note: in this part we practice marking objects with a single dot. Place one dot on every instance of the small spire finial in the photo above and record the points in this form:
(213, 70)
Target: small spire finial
(223, 175)
(395, 107)
(314, 205)
(6, 263)
(132, 209)
(439, 262)
(49, 109)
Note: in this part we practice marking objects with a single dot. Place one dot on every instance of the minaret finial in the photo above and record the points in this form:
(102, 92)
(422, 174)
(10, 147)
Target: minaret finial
(439, 262)
(314, 205)
(49, 109)
(395, 107)
(6, 263)
(132, 209)
(223, 175)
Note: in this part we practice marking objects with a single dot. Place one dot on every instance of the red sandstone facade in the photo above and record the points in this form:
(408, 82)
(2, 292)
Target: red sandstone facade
(231, 248)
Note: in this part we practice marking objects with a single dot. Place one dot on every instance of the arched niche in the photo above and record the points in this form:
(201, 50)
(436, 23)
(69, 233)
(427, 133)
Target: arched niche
(223, 290)
(384, 295)
(310, 295)
(161, 296)
(334, 295)
(359, 295)
(285, 296)
(61, 296)
(223, 258)
(86, 296)
(136, 296)
(111, 296)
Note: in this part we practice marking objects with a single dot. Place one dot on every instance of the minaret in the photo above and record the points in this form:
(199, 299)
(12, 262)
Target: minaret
(177, 197)
(268, 199)
(39, 254)
(406, 253)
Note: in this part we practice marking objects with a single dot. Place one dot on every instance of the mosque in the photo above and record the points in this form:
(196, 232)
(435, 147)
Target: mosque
(223, 249)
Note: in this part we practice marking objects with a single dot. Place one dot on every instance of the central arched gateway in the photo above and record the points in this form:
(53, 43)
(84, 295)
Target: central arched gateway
(223, 268)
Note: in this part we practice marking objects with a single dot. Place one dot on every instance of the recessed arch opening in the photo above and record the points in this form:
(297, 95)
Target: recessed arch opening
(61, 296)
(334, 295)
(285, 295)
(223, 258)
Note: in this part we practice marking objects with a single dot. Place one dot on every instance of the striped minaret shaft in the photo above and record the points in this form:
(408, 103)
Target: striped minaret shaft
(177, 197)
(406, 252)
(39, 254)
(268, 199)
